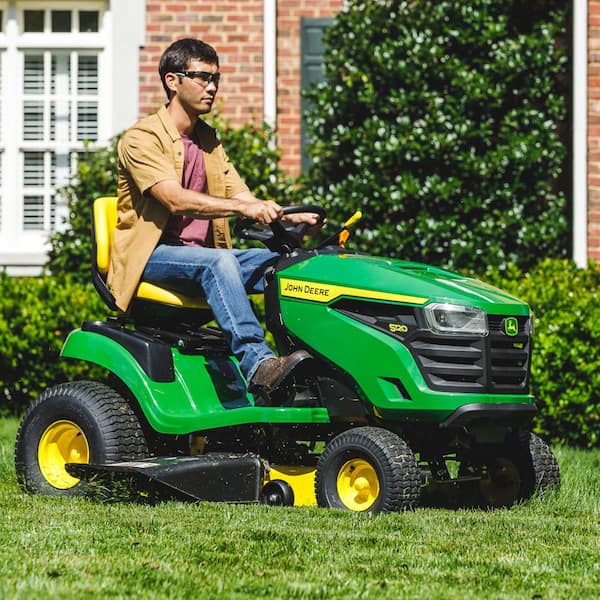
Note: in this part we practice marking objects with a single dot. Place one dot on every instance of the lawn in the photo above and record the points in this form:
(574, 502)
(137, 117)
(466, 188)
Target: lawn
(65, 548)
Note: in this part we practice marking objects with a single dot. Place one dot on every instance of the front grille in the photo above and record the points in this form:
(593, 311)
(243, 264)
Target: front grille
(509, 356)
(449, 362)
(497, 363)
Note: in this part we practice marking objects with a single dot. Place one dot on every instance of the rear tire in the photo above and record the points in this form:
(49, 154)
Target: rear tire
(77, 422)
(367, 469)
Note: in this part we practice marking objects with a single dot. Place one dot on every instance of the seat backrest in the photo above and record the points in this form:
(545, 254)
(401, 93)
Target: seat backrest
(104, 222)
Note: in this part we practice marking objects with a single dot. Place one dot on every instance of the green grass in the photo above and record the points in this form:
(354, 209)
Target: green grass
(66, 548)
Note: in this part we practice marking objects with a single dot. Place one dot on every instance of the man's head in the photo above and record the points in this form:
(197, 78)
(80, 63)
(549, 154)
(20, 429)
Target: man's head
(181, 57)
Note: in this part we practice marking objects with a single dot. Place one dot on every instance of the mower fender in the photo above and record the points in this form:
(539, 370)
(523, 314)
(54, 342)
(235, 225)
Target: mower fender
(98, 349)
(178, 393)
(165, 404)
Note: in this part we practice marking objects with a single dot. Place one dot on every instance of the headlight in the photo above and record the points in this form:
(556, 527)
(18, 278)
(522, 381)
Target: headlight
(453, 318)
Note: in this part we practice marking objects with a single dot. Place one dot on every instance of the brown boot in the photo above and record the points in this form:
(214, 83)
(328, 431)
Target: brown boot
(272, 371)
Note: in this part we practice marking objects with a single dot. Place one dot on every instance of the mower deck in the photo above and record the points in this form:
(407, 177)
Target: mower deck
(236, 478)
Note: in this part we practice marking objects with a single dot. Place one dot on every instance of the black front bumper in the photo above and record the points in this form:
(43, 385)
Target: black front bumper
(506, 414)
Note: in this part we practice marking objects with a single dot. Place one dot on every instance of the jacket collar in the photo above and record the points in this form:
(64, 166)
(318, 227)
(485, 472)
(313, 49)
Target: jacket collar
(202, 129)
(168, 124)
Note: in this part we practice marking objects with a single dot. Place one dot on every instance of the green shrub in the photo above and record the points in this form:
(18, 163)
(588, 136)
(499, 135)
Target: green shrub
(565, 371)
(255, 155)
(441, 121)
(36, 314)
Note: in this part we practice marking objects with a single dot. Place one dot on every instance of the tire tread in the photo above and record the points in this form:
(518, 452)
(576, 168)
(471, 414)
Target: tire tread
(402, 474)
(122, 435)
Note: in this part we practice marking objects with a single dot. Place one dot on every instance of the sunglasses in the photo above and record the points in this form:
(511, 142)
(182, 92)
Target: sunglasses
(201, 77)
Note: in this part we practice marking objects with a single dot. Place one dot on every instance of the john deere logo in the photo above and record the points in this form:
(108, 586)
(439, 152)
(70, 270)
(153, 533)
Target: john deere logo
(511, 326)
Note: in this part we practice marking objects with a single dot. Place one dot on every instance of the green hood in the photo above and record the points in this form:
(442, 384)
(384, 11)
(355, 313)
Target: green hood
(327, 277)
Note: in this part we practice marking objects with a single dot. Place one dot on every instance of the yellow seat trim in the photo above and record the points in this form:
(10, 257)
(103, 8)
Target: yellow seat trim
(105, 221)
(149, 291)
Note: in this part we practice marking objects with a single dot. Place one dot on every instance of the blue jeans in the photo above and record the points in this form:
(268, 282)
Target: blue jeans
(225, 277)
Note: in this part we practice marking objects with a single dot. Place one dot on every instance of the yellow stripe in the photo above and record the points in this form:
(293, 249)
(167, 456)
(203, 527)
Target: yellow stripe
(149, 291)
(323, 292)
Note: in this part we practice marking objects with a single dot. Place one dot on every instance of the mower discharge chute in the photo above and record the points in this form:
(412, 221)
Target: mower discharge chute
(417, 391)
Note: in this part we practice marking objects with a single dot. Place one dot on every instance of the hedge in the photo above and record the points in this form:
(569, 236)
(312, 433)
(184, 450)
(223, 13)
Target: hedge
(565, 370)
(446, 123)
(37, 314)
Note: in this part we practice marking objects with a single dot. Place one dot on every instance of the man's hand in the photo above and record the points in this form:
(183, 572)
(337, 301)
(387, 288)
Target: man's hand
(267, 211)
(263, 211)
(313, 220)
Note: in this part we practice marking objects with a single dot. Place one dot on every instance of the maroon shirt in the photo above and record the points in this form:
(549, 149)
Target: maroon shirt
(188, 230)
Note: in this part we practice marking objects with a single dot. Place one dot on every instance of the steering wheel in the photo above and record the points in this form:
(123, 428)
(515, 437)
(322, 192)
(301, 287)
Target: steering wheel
(280, 239)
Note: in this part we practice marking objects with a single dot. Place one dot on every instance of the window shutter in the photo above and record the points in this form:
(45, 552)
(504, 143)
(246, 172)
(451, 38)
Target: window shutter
(87, 75)
(312, 67)
(87, 88)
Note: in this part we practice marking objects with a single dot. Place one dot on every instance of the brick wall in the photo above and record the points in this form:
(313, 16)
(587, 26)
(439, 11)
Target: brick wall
(594, 131)
(235, 29)
(289, 14)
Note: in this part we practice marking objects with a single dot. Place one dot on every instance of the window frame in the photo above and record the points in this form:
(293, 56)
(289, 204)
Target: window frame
(19, 246)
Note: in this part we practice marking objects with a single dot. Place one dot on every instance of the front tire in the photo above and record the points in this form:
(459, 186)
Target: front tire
(77, 422)
(367, 469)
(515, 473)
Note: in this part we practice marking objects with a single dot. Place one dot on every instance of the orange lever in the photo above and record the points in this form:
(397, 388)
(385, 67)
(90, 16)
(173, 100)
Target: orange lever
(343, 238)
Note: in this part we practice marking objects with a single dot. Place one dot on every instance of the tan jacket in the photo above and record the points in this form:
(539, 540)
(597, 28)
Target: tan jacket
(150, 152)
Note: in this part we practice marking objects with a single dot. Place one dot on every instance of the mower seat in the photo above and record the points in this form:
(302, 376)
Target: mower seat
(104, 221)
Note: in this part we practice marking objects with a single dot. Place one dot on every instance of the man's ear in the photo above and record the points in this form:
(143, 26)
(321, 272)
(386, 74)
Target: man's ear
(171, 81)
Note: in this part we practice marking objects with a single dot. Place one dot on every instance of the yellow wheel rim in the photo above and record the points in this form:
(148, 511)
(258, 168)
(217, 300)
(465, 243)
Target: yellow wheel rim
(63, 442)
(358, 484)
(502, 487)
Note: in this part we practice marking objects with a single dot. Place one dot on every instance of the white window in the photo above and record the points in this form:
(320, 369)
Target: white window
(55, 81)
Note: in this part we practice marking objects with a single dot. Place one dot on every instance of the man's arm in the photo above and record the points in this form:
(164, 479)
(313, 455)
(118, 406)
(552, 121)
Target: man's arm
(308, 218)
(180, 201)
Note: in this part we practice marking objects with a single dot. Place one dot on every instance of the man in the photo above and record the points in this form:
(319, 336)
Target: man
(176, 189)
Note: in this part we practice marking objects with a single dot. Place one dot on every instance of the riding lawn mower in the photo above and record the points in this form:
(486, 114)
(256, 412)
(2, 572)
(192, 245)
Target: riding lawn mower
(416, 391)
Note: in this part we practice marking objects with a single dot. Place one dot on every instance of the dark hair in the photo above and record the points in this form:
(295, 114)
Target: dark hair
(179, 54)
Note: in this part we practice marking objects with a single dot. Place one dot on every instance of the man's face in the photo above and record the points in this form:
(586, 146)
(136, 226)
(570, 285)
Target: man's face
(196, 88)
